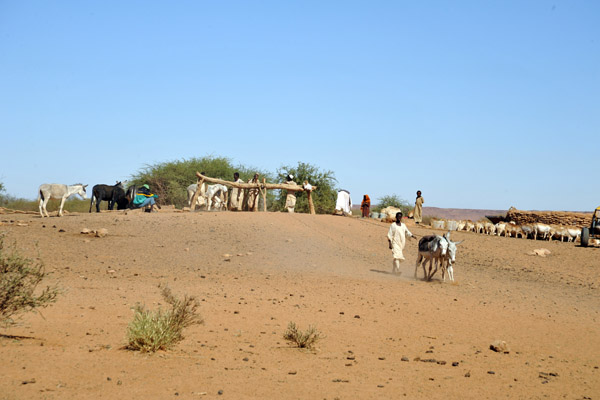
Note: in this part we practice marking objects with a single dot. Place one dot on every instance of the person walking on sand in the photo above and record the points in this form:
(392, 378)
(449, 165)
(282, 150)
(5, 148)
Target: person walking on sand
(418, 213)
(365, 206)
(397, 240)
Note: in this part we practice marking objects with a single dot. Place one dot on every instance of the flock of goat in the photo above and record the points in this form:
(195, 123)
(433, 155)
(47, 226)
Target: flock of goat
(510, 229)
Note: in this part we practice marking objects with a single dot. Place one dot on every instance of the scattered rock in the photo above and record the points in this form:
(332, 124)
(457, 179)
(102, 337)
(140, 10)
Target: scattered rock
(292, 372)
(404, 358)
(61, 230)
(86, 231)
(220, 392)
(540, 252)
(26, 382)
(381, 358)
(500, 346)
(491, 372)
(468, 374)
(102, 232)
(455, 364)
(357, 316)
(186, 249)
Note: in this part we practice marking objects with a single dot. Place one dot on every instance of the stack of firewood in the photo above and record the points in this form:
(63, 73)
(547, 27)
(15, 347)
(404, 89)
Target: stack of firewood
(564, 218)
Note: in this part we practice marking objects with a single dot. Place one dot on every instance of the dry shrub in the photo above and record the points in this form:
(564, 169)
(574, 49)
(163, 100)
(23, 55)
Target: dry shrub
(19, 279)
(151, 331)
(304, 340)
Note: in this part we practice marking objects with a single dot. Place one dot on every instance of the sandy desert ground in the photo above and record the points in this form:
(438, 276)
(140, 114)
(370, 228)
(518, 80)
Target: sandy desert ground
(386, 336)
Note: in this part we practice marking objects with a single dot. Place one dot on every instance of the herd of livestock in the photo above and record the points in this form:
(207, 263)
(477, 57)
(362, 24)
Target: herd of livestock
(114, 194)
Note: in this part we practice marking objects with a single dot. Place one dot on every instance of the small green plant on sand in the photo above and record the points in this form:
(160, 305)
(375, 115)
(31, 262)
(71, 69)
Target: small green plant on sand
(19, 279)
(304, 340)
(151, 331)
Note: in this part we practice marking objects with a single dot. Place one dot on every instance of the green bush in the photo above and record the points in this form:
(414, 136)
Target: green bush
(19, 279)
(169, 180)
(323, 198)
(306, 339)
(393, 201)
(151, 331)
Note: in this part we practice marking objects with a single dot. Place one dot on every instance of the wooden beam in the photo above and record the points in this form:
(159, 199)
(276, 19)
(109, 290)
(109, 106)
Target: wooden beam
(264, 185)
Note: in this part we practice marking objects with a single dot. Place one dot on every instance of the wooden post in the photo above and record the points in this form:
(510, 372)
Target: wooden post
(264, 195)
(311, 206)
(196, 194)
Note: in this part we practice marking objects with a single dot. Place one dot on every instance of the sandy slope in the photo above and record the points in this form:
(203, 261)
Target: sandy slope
(331, 272)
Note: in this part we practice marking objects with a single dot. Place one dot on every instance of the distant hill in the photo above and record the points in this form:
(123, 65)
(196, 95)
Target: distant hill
(460, 213)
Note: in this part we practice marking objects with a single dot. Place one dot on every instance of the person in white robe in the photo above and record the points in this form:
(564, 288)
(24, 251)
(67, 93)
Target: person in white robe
(397, 241)
(235, 201)
(290, 199)
(344, 202)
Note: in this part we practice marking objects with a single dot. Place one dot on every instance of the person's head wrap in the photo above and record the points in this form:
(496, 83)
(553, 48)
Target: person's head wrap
(146, 186)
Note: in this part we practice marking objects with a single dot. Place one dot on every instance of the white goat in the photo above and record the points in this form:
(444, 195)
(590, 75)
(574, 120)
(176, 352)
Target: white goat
(543, 230)
(489, 228)
(49, 191)
(450, 258)
(216, 195)
(527, 230)
(574, 234)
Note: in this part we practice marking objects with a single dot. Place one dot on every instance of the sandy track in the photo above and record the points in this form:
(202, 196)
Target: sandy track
(331, 272)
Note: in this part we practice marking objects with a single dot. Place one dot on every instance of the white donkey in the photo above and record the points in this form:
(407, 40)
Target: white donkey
(49, 191)
(449, 259)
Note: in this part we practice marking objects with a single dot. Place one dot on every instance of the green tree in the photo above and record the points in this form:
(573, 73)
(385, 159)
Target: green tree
(394, 201)
(169, 180)
(323, 198)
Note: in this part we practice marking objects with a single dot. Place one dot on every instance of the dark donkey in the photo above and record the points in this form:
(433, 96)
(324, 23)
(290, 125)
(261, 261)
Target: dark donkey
(112, 194)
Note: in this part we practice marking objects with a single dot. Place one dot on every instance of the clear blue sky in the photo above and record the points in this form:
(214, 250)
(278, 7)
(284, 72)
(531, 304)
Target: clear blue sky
(478, 104)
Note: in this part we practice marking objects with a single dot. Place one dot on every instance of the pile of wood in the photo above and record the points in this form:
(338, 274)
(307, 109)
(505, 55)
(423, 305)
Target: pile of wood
(563, 218)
